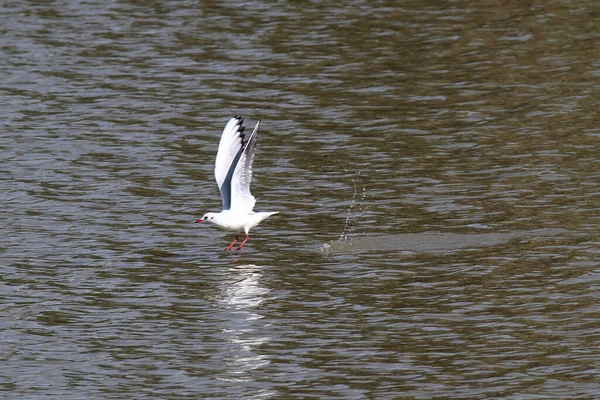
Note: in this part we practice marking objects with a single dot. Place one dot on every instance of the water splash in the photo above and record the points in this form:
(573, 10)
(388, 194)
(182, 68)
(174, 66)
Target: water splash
(355, 209)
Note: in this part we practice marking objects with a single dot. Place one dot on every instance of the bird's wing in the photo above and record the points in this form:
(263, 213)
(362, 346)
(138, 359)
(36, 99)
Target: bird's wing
(230, 151)
(241, 199)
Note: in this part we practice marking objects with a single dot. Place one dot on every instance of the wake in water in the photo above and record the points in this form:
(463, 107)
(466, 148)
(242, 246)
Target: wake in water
(428, 242)
(436, 242)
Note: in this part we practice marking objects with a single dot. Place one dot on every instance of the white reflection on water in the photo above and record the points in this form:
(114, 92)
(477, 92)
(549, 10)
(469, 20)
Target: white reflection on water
(240, 298)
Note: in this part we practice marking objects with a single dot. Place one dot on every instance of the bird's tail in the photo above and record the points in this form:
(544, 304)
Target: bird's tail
(265, 215)
(258, 218)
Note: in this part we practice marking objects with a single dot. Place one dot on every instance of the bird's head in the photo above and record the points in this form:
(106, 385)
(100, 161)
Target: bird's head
(210, 217)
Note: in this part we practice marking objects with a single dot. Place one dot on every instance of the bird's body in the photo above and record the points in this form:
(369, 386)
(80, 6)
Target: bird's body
(233, 173)
(236, 222)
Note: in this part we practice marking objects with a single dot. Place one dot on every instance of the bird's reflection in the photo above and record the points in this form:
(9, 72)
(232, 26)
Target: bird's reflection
(241, 297)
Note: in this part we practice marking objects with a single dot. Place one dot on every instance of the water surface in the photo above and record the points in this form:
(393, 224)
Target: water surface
(434, 165)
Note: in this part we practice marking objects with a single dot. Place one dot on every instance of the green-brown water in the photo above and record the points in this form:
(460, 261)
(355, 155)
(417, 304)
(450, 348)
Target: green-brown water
(435, 166)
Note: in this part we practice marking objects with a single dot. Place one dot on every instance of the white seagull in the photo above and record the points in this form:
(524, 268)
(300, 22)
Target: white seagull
(233, 172)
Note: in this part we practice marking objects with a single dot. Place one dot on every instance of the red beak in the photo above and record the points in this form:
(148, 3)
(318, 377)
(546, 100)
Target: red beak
(198, 220)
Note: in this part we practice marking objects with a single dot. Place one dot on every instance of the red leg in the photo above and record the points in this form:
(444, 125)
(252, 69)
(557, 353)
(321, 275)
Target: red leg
(230, 247)
(244, 242)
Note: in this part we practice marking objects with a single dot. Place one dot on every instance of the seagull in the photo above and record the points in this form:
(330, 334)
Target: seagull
(233, 173)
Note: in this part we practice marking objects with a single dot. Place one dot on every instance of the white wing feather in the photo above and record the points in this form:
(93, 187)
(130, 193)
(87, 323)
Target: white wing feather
(230, 144)
(242, 200)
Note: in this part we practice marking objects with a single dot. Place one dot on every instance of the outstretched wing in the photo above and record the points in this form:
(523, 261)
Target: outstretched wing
(230, 150)
(241, 199)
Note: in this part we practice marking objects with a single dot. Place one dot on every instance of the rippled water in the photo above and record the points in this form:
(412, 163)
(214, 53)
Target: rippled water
(434, 164)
